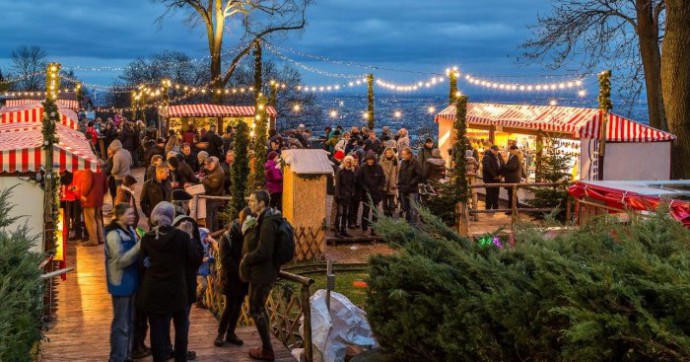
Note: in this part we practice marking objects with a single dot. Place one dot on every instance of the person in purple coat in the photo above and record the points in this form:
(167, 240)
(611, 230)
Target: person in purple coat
(274, 180)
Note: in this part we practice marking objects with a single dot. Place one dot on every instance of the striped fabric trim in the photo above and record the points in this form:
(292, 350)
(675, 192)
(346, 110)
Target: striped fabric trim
(214, 110)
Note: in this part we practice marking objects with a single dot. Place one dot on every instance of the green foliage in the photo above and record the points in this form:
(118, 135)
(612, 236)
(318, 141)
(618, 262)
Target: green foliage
(20, 289)
(606, 292)
(448, 195)
(555, 167)
(257, 178)
(371, 121)
(605, 91)
(240, 171)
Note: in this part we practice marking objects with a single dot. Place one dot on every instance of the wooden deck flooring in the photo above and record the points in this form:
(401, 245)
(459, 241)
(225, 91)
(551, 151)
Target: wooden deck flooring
(82, 327)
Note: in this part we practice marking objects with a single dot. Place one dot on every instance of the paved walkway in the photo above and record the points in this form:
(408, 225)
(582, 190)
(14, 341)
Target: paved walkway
(81, 331)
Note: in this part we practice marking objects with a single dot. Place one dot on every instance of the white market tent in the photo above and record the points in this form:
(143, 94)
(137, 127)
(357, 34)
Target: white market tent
(633, 150)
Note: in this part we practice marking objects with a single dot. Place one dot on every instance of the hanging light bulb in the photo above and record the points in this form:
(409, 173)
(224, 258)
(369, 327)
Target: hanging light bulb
(333, 113)
(431, 109)
(582, 93)
(296, 108)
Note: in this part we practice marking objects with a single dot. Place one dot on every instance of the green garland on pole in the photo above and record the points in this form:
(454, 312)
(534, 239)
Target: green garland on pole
(51, 199)
(605, 105)
(370, 102)
(461, 145)
(259, 133)
(239, 171)
(453, 82)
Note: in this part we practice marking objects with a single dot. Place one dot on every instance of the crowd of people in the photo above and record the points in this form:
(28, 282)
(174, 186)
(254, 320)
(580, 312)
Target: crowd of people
(156, 273)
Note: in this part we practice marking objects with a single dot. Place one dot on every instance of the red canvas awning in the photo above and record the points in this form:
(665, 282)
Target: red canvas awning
(580, 122)
(33, 113)
(621, 198)
(215, 110)
(21, 149)
(66, 103)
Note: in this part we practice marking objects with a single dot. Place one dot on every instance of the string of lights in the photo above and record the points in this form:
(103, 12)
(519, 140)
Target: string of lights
(331, 87)
(312, 69)
(410, 87)
(34, 93)
(18, 79)
(524, 87)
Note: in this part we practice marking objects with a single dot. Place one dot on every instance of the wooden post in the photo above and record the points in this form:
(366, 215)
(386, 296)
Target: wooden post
(306, 310)
(463, 221)
(540, 158)
(492, 135)
(514, 215)
(567, 210)
(371, 122)
(605, 106)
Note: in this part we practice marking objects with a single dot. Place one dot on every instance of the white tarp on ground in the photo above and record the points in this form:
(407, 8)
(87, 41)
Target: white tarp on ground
(345, 325)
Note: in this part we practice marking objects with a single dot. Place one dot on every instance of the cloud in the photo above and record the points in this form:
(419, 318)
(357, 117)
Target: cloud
(479, 34)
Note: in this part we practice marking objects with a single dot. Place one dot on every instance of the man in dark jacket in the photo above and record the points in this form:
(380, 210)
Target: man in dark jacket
(214, 184)
(344, 194)
(409, 177)
(163, 294)
(491, 173)
(190, 157)
(234, 290)
(434, 168)
(226, 165)
(371, 179)
(215, 142)
(373, 144)
(182, 173)
(258, 269)
(426, 152)
(512, 173)
(153, 149)
(155, 191)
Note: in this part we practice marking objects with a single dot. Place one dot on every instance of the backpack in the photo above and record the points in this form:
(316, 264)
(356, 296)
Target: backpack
(285, 244)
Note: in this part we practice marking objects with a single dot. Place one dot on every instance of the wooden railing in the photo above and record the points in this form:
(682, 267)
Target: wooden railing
(285, 307)
(514, 202)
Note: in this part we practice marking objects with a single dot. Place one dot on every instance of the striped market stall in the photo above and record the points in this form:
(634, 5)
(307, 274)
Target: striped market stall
(64, 103)
(22, 160)
(633, 151)
(32, 112)
(179, 117)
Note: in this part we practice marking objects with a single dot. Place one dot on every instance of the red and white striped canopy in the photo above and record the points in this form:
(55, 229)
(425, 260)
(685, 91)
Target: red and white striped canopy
(66, 103)
(21, 149)
(215, 110)
(33, 113)
(580, 122)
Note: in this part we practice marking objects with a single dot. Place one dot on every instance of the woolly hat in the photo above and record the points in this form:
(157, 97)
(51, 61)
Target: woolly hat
(436, 153)
(339, 155)
(370, 155)
(162, 214)
(469, 153)
(203, 232)
(272, 155)
(212, 159)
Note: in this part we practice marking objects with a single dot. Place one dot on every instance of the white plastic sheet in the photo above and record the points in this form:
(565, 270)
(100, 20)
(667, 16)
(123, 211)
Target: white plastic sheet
(346, 324)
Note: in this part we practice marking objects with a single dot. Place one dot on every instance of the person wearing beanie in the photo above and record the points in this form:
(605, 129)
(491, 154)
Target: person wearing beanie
(205, 268)
(122, 161)
(339, 155)
(163, 295)
(371, 180)
(274, 181)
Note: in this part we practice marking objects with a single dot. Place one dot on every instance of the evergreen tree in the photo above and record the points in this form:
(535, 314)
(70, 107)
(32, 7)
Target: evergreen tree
(239, 171)
(555, 168)
(20, 288)
(606, 292)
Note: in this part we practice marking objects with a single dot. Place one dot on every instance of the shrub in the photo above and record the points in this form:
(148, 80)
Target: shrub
(21, 297)
(603, 293)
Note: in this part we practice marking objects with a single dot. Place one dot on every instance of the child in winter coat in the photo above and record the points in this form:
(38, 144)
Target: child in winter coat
(205, 268)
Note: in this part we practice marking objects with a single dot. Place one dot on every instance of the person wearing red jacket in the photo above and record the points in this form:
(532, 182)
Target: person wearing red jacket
(92, 185)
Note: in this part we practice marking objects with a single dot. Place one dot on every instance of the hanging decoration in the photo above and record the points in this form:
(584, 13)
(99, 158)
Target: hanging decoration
(51, 201)
(524, 87)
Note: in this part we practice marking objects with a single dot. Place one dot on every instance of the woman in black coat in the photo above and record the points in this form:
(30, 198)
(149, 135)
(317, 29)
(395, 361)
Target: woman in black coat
(232, 287)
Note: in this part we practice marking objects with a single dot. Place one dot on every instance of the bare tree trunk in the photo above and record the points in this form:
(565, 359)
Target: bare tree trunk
(675, 76)
(648, 33)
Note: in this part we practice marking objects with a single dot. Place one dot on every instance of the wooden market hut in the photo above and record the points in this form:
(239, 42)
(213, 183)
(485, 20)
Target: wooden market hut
(22, 159)
(633, 150)
(178, 117)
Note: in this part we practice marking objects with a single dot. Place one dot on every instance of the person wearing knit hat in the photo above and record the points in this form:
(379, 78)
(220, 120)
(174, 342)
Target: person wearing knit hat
(272, 155)
(163, 294)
